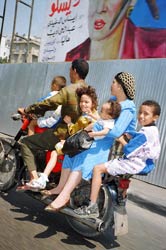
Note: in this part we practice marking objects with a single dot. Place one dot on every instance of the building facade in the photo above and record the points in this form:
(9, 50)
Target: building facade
(24, 52)
(5, 48)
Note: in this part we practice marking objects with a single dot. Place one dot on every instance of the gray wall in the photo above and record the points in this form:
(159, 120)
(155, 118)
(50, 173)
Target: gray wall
(23, 84)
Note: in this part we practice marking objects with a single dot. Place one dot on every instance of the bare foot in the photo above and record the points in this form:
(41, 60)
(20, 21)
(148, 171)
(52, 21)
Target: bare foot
(60, 201)
(55, 190)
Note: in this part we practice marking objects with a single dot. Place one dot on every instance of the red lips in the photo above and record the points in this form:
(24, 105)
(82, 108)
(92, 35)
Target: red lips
(99, 24)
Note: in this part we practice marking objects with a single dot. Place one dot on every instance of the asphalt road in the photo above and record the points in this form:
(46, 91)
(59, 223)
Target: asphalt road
(24, 225)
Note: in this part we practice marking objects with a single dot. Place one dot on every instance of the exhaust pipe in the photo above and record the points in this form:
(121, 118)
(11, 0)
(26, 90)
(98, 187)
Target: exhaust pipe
(94, 223)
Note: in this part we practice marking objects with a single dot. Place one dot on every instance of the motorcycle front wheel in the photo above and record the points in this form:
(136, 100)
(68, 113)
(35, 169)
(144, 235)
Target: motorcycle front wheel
(8, 164)
(79, 198)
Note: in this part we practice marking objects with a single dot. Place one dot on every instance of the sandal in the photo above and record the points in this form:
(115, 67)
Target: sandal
(47, 195)
(46, 192)
(52, 209)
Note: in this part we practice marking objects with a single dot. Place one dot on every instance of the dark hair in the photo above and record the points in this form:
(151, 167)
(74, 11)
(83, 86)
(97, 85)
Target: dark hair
(89, 91)
(81, 66)
(59, 81)
(115, 109)
(154, 104)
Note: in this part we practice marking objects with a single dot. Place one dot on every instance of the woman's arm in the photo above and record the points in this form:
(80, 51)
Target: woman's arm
(121, 124)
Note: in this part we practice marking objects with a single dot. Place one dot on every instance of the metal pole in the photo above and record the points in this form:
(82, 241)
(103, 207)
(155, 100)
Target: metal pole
(14, 26)
(29, 31)
(13, 33)
(3, 17)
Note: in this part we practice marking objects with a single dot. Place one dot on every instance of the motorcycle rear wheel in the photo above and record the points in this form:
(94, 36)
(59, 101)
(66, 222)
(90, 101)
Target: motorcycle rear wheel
(105, 209)
(7, 166)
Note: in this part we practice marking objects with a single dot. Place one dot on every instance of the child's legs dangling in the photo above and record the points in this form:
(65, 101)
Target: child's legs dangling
(96, 181)
(51, 163)
(65, 172)
(72, 182)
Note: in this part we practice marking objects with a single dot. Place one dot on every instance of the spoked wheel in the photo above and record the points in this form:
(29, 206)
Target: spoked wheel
(7, 165)
(80, 197)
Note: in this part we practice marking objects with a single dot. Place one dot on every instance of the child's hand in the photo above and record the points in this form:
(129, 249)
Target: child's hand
(21, 111)
(127, 136)
(120, 138)
(67, 119)
(91, 134)
(94, 116)
(88, 111)
(124, 138)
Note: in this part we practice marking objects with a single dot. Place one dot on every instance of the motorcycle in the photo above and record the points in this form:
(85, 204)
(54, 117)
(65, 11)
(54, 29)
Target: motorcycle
(12, 168)
(111, 201)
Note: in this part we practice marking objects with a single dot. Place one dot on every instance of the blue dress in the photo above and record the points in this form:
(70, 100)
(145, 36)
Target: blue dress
(99, 151)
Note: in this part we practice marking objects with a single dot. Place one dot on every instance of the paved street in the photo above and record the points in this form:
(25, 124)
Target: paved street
(24, 226)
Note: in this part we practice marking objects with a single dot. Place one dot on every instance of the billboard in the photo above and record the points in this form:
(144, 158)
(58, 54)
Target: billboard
(103, 30)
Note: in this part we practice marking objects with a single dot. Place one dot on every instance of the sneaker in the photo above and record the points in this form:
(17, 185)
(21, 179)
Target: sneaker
(38, 184)
(43, 177)
(90, 211)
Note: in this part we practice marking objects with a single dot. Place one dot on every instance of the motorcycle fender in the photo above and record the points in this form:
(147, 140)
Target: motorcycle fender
(113, 192)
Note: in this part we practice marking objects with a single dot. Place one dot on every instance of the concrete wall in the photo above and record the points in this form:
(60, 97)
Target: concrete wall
(23, 84)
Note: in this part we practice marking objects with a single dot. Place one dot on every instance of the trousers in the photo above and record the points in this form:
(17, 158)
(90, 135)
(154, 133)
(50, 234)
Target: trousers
(31, 144)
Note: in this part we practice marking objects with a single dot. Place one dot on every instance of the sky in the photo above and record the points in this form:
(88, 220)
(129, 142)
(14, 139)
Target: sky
(23, 17)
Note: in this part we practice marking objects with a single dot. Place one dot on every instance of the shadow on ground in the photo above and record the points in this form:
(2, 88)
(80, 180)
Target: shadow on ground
(34, 212)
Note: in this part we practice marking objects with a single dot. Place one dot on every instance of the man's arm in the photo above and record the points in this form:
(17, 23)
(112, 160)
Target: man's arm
(49, 104)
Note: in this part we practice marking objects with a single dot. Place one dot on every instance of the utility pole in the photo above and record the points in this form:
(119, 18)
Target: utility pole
(14, 28)
(3, 17)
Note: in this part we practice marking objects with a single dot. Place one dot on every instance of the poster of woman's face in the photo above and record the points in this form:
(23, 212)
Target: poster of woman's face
(104, 17)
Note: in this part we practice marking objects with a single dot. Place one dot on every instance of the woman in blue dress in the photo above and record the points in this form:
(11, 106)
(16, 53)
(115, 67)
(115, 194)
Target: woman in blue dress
(81, 166)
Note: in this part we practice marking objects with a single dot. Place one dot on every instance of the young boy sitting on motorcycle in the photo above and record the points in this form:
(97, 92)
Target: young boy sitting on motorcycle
(50, 118)
(140, 151)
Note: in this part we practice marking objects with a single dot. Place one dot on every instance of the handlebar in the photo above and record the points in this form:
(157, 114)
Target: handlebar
(19, 116)
(16, 117)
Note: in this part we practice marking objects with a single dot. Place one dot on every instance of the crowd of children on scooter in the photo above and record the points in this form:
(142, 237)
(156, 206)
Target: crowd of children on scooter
(75, 107)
